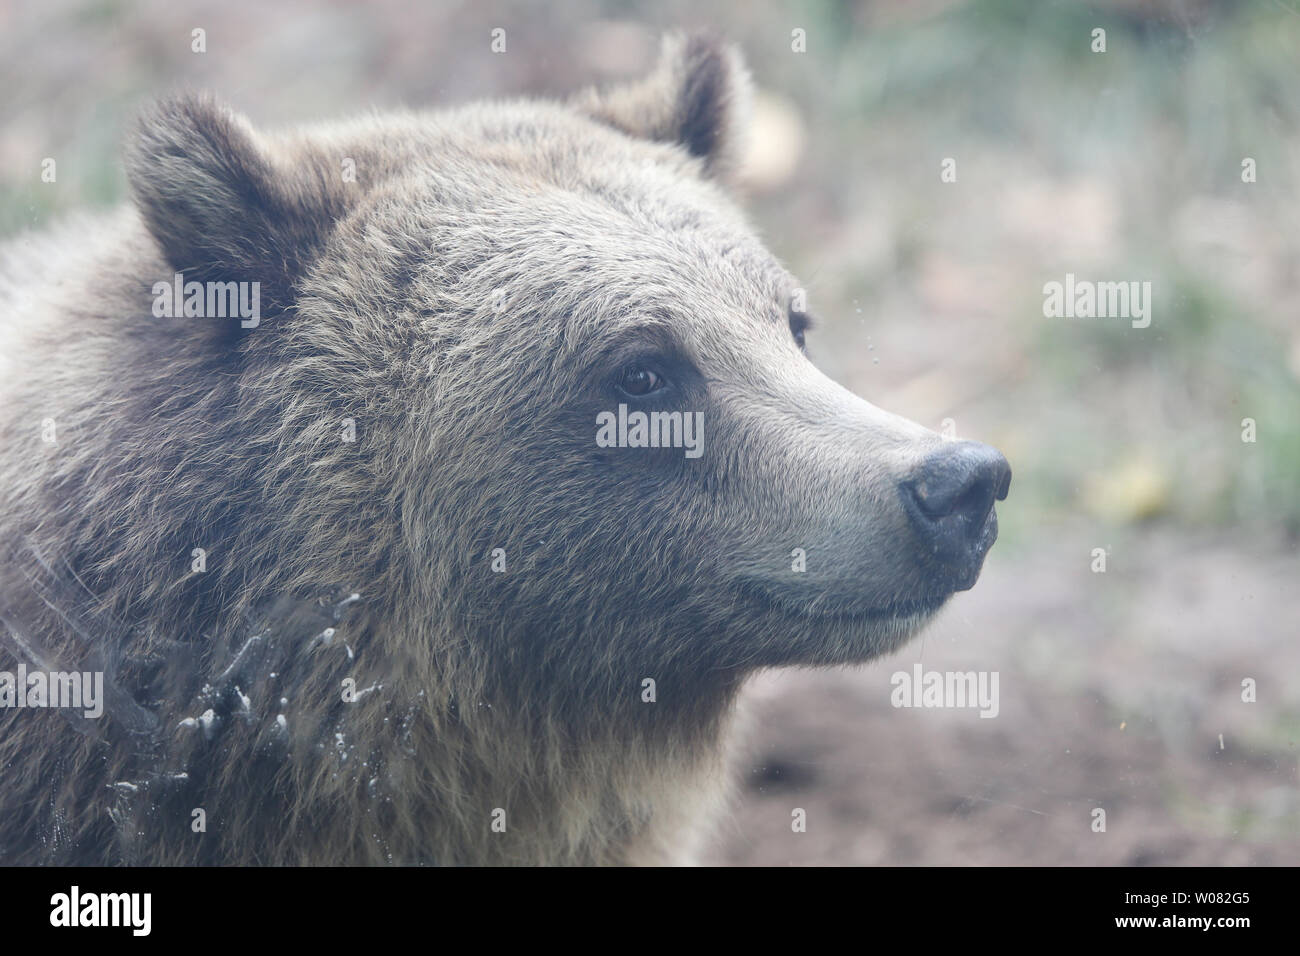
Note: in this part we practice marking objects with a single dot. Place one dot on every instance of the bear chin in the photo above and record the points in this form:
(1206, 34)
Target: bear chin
(813, 637)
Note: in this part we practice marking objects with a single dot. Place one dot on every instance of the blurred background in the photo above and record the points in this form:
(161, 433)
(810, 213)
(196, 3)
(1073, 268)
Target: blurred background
(1119, 690)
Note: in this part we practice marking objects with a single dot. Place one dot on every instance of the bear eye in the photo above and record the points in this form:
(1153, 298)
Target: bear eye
(799, 325)
(638, 381)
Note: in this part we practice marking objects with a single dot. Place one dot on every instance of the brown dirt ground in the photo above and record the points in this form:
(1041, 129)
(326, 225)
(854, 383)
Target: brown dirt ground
(1116, 701)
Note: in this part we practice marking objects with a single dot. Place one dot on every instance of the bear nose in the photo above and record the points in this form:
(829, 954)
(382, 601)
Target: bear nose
(949, 500)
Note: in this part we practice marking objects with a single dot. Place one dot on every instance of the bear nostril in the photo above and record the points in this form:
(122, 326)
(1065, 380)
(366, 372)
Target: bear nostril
(950, 497)
(946, 495)
(975, 501)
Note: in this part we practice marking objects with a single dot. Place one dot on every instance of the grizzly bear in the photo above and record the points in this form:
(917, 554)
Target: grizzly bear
(423, 488)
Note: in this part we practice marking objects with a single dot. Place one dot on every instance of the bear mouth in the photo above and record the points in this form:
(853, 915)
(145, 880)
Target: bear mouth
(911, 608)
(819, 609)
(895, 611)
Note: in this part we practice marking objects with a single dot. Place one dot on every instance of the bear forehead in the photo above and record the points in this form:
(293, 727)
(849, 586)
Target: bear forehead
(493, 178)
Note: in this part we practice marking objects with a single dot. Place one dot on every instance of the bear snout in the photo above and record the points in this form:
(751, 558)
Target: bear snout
(949, 502)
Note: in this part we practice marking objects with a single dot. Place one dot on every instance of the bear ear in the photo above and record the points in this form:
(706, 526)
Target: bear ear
(216, 201)
(698, 96)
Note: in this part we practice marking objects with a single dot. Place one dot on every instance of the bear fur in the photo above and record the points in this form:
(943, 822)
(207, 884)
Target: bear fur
(362, 584)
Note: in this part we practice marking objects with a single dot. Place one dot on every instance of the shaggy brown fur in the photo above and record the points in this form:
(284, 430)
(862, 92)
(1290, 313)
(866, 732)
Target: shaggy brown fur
(470, 302)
